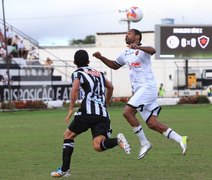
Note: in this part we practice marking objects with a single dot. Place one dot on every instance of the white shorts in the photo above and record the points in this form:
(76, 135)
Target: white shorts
(145, 102)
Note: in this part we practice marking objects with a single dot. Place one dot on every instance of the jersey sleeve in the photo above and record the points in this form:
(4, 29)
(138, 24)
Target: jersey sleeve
(75, 75)
(103, 77)
(120, 60)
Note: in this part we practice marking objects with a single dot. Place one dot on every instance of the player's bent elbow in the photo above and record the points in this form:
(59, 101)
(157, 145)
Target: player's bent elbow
(153, 51)
(111, 88)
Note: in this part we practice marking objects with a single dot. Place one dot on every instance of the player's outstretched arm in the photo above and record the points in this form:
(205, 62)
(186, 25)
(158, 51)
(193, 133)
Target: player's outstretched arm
(147, 49)
(110, 63)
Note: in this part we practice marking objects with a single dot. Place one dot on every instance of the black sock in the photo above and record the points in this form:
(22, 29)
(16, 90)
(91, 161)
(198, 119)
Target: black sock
(108, 143)
(68, 147)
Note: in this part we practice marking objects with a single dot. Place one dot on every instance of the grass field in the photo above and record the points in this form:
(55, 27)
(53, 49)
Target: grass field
(31, 146)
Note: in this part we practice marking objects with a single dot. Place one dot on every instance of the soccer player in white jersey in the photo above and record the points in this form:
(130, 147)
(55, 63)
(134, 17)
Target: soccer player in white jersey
(144, 88)
(92, 113)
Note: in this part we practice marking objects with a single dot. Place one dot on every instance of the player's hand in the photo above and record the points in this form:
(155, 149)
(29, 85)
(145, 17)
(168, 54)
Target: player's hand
(108, 104)
(97, 55)
(70, 112)
(134, 46)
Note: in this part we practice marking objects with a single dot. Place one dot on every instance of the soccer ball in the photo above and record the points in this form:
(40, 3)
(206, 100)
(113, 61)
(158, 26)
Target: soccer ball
(134, 14)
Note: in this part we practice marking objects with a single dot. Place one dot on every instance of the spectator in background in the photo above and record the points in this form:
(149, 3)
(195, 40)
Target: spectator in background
(22, 51)
(32, 54)
(1, 77)
(48, 62)
(1, 37)
(48, 65)
(32, 58)
(15, 41)
(9, 36)
(209, 91)
(161, 91)
(1, 90)
(2, 51)
(6, 79)
(12, 52)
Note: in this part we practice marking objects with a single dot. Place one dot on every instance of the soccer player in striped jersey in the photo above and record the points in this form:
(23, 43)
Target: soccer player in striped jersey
(144, 88)
(96, 92)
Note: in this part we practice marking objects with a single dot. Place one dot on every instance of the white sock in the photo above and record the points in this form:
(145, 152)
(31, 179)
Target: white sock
(169, 133)
(141, 136)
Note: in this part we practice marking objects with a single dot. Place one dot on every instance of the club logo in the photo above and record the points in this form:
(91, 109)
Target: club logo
(172, 42)
(203, 41)
(135, 64)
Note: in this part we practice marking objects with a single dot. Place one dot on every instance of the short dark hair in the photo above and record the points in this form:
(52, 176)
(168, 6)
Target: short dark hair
(81, 58)
(137, 32)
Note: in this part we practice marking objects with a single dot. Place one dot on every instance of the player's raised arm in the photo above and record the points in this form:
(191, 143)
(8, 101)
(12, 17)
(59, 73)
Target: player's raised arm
(110, 63)
(148, 49)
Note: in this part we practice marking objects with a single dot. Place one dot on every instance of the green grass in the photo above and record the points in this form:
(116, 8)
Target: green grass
(31, 146)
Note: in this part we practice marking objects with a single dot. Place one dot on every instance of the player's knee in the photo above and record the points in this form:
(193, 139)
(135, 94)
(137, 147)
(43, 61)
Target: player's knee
(129, 112)
(97, 143)
(65, 136)
(152, 124)
(97, 147)
(69, 134)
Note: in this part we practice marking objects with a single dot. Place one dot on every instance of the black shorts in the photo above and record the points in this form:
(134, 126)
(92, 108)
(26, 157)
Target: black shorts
(99, 125)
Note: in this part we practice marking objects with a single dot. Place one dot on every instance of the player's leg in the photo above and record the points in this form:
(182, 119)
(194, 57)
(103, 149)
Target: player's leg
(150, 113)
(154, 124)
(101, 143)
(130, 116)
(76, 127)
(99, 146)
(68, 147)
(101, 132)
(130, 110)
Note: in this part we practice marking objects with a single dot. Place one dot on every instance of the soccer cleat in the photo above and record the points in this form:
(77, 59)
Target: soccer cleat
(122, 142)
(144, 149)
(183, 144)
(60, 173)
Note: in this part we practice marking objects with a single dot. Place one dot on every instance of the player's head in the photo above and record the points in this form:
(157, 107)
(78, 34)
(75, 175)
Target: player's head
(81, 58)
(133, 36)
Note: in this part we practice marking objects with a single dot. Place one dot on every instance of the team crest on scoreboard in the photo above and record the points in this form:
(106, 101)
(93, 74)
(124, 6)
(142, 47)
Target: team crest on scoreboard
(203, 41)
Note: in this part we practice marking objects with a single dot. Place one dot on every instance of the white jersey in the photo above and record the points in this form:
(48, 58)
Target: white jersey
(142, 80)
(140, 72)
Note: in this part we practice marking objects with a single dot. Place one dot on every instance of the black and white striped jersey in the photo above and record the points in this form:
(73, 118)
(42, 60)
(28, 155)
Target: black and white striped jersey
(92, 91)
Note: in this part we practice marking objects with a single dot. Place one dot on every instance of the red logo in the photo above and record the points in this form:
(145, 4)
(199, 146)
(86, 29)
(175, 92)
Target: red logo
(135, 64)
(93, 73)
(203, 41)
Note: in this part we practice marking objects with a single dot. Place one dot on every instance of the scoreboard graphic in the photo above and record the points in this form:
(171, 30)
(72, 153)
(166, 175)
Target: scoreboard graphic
(183, 42)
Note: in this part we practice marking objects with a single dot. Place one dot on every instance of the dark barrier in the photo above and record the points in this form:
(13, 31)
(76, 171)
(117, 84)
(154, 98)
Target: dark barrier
(36, 92)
